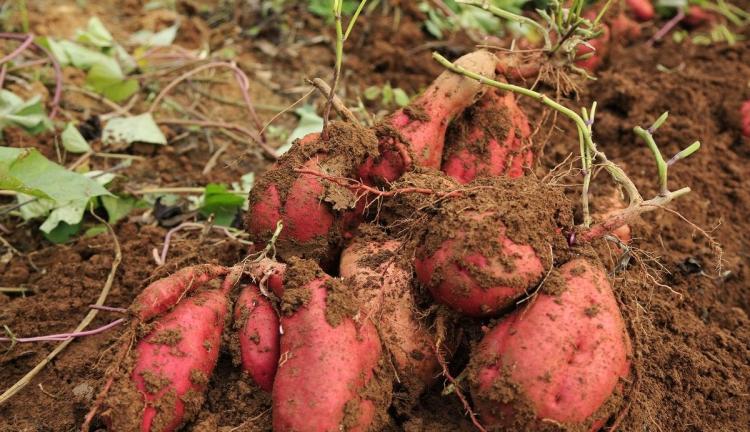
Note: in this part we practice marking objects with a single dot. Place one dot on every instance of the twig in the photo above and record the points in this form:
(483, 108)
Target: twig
(14, 290)
(108, 308)
(242, 80)
(99, 98)
(55, 65)
(338, 104)
(456, 386)
(26, 379)
(214, 158)
(285, 110)
(218, 124)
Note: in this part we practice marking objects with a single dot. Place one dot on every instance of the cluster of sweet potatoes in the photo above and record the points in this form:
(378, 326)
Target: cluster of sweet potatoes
(403, 245)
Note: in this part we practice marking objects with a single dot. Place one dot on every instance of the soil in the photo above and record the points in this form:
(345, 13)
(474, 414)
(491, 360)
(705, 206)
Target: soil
(687, 317)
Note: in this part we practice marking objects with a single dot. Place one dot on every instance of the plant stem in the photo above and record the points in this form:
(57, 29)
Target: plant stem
(589, 152)
(26, 379)
(337, 4)
(583, 131)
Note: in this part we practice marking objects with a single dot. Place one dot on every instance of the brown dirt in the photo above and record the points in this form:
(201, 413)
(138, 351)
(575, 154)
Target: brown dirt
(691, 336)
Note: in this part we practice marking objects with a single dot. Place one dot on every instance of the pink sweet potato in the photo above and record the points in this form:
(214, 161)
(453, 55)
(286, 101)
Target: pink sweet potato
(745, 118)
(489, 139)
(451, 271)
(624, 28)
(558, 359)
(317, 216)
(415, 135)
(642, 9)
(597, 48)
(327, 359)
(696, 15)
(382, 282)
(484, 250)
(258, 330)
(175, 360)
(164, 293)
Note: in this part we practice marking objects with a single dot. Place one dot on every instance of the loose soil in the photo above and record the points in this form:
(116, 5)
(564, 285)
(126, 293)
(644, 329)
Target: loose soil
(687, 318)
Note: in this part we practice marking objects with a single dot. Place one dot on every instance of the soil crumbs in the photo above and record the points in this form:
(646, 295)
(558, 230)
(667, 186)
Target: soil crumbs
(691, 332)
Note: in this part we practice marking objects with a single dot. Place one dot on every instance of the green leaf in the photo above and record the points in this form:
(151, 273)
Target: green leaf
(161, 38)
(387, 94)
(85, 58)
(73, 141)
(127, 130)
(371, 93)
(119, 207)
(95, 230)
(28, 114)
(54, 48)
(95, 34)
(309, 122)
(42, 178)
(62, 233)
(221, 203)
(110, 83)
(400, 97)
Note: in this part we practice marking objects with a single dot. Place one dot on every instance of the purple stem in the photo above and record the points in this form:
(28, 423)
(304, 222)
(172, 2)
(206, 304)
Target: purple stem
(108, 308)
(64, 336)
(669, 25)
(55, 65)
(25, 44)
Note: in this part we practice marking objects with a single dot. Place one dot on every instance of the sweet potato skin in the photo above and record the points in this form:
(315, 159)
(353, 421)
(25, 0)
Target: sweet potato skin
(385, 290)
(599, 49)
(745, 118)
(258, 331)
(323, 368)
(482, 151)
(175, 360)
(415, 136)
(458, 287)
(164, 293)
(642, 9)
(563, 354)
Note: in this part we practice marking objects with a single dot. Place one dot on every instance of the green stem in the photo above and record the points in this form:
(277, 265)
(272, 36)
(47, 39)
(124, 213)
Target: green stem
(589, 150)
(511, 17)
(661, 164)
(601, 13)
(584, 133)
(337, 5)
(354, 19)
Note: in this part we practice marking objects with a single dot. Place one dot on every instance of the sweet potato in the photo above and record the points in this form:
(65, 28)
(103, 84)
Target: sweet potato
(696, 15)
(258, 330)
(173, 364)
(317, 215)
(327, 357)
(483, 250)
(624, 28)
(164, 293)
(489, 139)
(642, 9)
(415, 135)
(558, 359)
(598, 48)
(382, 282)
(745, 118)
